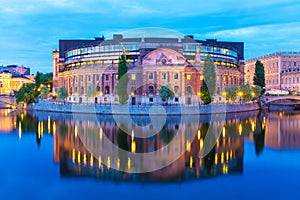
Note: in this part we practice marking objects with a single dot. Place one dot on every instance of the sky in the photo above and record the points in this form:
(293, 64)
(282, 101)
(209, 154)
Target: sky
(30, 29)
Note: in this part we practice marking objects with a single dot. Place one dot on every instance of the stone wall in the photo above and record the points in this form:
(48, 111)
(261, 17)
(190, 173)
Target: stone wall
(142, 109)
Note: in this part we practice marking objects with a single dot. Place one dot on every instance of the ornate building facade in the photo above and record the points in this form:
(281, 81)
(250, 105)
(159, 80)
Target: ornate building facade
(10, 82)
(282, 70)
(152, 63)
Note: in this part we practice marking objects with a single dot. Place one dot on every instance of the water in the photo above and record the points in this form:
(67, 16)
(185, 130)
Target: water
(51, 155)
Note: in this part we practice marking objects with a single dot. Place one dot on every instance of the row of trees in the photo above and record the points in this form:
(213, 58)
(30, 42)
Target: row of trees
(245, 91)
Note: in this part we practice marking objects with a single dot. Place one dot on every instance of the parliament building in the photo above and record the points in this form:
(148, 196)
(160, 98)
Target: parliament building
(152, 63)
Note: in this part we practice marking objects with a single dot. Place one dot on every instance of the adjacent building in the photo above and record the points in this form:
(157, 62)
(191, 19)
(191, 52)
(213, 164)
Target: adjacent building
(282, 70)
(12, 78)
(152, 63)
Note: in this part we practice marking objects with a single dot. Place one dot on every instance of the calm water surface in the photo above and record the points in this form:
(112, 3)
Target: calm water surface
(49, 155)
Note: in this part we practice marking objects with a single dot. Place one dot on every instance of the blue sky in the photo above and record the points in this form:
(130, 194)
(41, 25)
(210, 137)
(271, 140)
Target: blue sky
(30, 29)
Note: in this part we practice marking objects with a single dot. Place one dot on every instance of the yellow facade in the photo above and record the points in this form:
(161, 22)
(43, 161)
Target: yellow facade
(8, 83)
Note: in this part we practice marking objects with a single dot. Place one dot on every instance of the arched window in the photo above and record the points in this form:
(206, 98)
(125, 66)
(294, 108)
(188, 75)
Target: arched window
(150, 89)
(189, 89)
(176, 89)
(98, 88)
(107, 89)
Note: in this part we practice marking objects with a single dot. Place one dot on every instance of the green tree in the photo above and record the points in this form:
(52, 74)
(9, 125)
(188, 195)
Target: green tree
(245, 91)
(44, 91)
(209, 82)
(259, 135)
(92, 91)
(256, 90)
(62, 93)
(26, 94)
(166, 92)
(259, 76)
(123, 81)
(37, 79)
(166, 135)
(205, 95)
(231, 92)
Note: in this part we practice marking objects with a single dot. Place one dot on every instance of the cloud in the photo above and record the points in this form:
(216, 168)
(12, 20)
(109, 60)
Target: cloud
(264, 39)
(29, 29)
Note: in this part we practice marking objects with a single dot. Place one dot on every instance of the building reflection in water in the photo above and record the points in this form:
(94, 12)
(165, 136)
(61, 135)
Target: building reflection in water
(282, 130)
(7, 120)
(75, 138)
(76, 160)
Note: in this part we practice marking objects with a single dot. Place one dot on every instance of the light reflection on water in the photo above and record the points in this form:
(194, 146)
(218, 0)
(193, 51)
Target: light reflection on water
(249, 143)
(74, 138)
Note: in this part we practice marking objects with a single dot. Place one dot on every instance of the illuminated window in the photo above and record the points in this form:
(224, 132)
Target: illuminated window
(117, 77)
(201, 78)
(133, 76)
(188, 77)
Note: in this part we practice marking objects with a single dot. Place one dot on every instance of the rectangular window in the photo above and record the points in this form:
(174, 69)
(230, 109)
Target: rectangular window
(176, 99)
(117, 77)
(295, 63)
(298, 64)
(164, 76)
(176, 76)
(150, 99)
(284, 63)
(289, 63)
(106, 77)
(97, 77)
(151, 76)
(133, 77)
(188, 77)
(89, 77)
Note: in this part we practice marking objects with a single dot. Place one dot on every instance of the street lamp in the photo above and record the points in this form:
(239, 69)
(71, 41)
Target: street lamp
(240, 94)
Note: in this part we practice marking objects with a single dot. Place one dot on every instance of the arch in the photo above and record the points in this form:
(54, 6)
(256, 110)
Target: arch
(150, 89)
(189, 90)
(270, 99)
(98, 88)
(163, 56)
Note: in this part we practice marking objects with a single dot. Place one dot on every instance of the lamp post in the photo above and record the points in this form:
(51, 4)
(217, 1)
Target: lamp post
(240, 94)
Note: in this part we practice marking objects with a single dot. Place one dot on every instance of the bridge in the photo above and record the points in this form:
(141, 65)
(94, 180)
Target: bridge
(7, 102)
(272, 99)
(276, 103)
